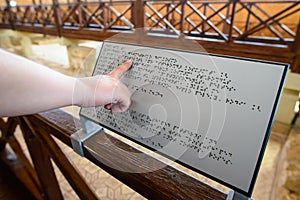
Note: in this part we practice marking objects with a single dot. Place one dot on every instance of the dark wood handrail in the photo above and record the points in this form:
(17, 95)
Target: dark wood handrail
(161, 182)
(165, 183)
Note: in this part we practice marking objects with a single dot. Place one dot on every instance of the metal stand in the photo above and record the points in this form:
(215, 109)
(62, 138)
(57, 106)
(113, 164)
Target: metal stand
(78, 138)
(233, 195)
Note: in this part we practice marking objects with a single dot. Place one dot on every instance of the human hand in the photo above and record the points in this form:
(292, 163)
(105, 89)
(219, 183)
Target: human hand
(104, 90)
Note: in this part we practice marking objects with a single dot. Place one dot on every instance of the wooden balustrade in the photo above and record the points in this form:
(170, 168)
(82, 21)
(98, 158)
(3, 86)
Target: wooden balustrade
(165, 183)
(252, 27)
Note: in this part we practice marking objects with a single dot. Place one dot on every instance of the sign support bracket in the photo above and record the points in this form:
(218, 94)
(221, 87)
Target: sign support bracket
(233, 195)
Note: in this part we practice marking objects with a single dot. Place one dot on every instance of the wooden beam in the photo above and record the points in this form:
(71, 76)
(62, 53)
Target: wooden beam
(296, 49)
(48, 30)
(120, 16)
(93, 16)
(57, 16)
(11, 20)
(165, 183)
(19, 162)
(225, 20)
(73, 177)
(97, 35)
(284, 27)
(42, 163)
(163, 18)
(280, 53)
(10, 160)
(232, 49)
(265, 22)
(57, 122)
(182, 15)
(207, 19)
(139, 13)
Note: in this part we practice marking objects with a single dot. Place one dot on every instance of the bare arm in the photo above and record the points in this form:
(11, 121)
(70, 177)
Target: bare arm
(27, 87)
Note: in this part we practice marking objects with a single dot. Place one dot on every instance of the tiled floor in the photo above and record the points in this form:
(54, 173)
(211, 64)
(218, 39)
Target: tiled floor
(263, 187)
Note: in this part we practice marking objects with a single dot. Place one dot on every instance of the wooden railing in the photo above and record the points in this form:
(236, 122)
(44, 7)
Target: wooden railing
(223, 20)
(261, 29)
(165, 183)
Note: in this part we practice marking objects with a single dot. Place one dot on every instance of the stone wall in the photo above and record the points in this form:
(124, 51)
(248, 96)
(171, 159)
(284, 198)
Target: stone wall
(81, 57)
(287, 181)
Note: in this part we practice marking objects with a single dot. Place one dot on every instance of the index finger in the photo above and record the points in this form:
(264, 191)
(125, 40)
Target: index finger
(119, 71)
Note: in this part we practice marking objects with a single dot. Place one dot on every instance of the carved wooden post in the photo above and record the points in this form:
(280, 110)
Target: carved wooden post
(296, 49)
(24, 170)
(183, 3)
(225, 25)
(204, 13)
(42, 163)
(73, 177)
(79, 14)
(139, 13)
(248, 17)
(7, 129)
(11, 20)
(57, 16)
(2, 140)
(42, 12)
(232, 20)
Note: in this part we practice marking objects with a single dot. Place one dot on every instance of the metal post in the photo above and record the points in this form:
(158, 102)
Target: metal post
(233, 195)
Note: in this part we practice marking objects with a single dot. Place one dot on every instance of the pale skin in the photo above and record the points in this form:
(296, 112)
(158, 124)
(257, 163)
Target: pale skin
(27, 87)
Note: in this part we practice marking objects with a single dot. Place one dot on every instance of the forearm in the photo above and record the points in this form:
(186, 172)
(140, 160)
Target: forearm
(27, 87)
